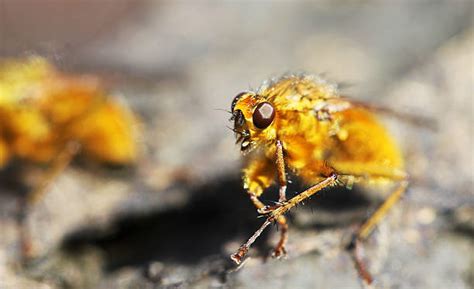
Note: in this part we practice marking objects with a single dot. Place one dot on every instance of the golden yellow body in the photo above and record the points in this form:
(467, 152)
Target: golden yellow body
(43, 110)
(299, 123)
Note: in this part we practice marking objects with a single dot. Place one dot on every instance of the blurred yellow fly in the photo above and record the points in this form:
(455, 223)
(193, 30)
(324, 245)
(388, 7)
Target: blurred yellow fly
(42, 110)
(48, 117)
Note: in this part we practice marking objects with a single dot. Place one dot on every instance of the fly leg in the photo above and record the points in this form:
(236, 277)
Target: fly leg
(60, 162)
(280, 250)
(368, 226)
(58, 165)
(280, 162)
(274, 213)
(237, 257)
(240, 254)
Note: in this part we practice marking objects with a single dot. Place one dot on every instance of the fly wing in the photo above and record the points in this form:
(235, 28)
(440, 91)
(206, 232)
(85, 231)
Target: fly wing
(341, 103)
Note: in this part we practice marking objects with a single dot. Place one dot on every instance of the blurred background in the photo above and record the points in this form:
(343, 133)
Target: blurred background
(172, 220)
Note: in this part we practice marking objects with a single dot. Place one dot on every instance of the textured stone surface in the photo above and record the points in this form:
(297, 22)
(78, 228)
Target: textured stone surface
(173, 220)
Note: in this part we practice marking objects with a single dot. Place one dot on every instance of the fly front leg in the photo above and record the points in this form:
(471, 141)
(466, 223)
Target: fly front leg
(280, 162)
(277, 214)
(281, 174)
(259, 175)
(280, 249)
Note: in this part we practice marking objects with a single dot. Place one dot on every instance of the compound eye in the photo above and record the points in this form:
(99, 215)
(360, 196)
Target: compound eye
(236, 98)
(263, 115)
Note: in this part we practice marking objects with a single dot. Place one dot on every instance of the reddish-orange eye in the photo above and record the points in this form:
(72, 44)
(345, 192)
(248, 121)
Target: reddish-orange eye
(263, 115)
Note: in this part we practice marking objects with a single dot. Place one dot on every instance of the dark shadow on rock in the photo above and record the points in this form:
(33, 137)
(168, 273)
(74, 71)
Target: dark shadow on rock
(460, 221)
(218, 212)
(11, 181)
